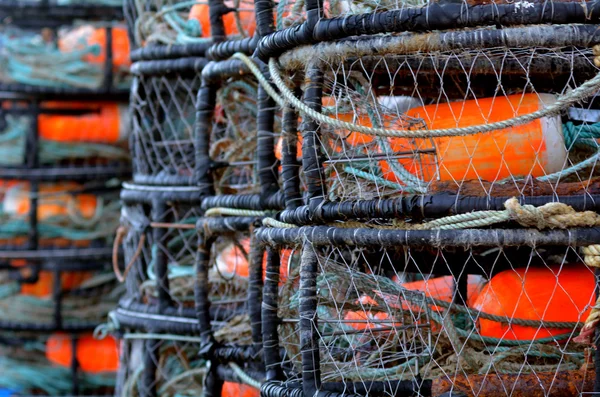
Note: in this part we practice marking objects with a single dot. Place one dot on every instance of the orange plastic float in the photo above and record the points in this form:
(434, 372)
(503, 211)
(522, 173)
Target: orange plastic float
(200, 12)
(106, 122)
(87, 35)
(231, 261)
(231, 389)
(93, 355)
(43, 287)
(550, 294)
(54, 200)
(536, 148)
(442, 288)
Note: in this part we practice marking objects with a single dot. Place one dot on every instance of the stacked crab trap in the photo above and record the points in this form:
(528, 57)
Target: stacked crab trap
(440, 229)
(361, 199)
(63, 150)
(186, 321)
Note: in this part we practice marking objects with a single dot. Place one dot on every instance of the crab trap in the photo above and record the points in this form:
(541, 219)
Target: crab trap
(189, 294)
(439, 235)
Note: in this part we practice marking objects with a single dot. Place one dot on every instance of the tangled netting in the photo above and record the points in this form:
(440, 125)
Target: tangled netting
(169, 236)
(26, 369)
(65, 211)
(75, 58)
(164, 22)
(86, 297)
(178, 371)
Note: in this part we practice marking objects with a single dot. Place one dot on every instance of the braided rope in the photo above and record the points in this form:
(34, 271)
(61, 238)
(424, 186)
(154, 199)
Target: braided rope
(591, 257)
(232, 212)
(582, 92)
(244, 377)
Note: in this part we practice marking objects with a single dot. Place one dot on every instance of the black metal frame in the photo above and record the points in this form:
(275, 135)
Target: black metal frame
(312, 209)
(49, 13)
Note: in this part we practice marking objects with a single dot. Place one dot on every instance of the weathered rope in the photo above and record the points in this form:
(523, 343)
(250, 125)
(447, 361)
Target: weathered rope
(232, 212)
(591, 257)
(244, 377)
(580, 93)
(270, 222)
(121, 232)
(548, 216)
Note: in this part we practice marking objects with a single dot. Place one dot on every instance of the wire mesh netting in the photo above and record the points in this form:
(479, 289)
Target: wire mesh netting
(163, 112)
(170, 367)
(455, 93)
(233, 140)
(160, 251)
(402, 140)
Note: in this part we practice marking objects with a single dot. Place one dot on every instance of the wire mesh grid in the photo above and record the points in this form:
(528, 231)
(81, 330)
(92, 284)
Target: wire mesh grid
(163, 111)
(406, 129)
(478, 88)
(483, 320)
(160, 251)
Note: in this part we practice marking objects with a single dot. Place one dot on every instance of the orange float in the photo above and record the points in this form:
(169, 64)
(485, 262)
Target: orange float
(200, 12)
(85, 36)
(536, 148)
(43, 287)
(231, 261)
(93, 355)
(106, 122)
(549, 294)
(442, 288)
(54, 200)
(231, 389)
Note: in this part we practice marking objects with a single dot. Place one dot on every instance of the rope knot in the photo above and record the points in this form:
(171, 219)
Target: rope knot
(550, 216)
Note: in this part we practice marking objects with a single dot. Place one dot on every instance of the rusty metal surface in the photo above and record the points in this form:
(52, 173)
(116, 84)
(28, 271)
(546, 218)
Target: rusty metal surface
(548, 384)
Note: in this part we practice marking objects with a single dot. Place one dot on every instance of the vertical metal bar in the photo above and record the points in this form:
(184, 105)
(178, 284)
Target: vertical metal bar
(57, 298)
(311, 158)
(309, 336)
(108, 62)
(290, 166)
(150, 361)
(161, 266)
(270, 306)
(205, 107)
(74, 366)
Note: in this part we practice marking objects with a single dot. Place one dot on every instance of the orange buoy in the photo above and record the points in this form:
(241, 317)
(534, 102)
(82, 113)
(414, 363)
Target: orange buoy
(87, 35)
(231, 389)
(442, 288)
(43, 287)
(106, 122)
(93, 355)
(231, 261)
(536, 148)
(550, 294)
(54, 200)
(200, 12)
